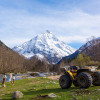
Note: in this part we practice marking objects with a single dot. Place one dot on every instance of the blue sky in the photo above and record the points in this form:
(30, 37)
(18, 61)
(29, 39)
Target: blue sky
(72, 21)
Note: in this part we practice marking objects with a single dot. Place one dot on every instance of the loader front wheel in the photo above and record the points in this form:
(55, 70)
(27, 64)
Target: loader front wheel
(65, 82)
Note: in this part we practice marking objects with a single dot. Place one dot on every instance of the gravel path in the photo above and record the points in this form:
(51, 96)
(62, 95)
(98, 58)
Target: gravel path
(54, 77)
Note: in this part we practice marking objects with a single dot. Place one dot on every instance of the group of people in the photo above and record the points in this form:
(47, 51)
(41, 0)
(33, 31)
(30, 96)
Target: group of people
(11, 76)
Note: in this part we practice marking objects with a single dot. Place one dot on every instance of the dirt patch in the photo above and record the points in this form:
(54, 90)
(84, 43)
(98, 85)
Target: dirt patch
(41, 97)
(81, 92)
(54, 77)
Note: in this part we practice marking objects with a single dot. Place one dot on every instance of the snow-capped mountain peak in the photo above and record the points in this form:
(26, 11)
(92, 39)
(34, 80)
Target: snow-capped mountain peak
(45, 45)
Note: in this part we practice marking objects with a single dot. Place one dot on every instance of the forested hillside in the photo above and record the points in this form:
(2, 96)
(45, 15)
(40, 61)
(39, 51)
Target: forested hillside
(10, 60)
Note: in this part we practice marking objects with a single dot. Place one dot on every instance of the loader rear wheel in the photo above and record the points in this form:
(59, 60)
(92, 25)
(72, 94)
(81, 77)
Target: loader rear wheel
(96, 79)
(84, 80)
(65, 82)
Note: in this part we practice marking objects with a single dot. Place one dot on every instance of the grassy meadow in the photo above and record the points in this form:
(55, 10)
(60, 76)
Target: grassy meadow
(31, 87)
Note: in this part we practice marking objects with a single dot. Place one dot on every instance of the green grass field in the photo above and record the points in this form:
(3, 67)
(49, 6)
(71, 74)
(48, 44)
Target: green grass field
(32, 87)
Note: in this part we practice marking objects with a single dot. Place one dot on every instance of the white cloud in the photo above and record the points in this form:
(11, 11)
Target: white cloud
(20, 25)
(70, 39)
(14, 41)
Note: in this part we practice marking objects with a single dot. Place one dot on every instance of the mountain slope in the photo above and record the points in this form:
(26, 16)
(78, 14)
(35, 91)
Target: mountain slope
(10, 60)
(45, 45)
(91, 48)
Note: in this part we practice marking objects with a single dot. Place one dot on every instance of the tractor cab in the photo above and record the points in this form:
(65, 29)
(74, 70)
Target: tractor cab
(74, 69)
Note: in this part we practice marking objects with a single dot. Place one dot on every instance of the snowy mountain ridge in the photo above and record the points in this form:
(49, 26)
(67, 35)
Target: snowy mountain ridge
(87, 48)
(45, 45)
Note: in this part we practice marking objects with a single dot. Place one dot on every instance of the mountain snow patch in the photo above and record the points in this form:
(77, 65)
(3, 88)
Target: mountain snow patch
(45, 45)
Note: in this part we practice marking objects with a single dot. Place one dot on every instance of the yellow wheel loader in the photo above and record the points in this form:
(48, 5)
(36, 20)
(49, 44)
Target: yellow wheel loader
(80, 77)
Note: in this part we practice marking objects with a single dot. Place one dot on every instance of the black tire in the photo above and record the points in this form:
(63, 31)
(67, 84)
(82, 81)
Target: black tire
(96, 79)
(65, 81)
(84, 80)
(75, 83)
